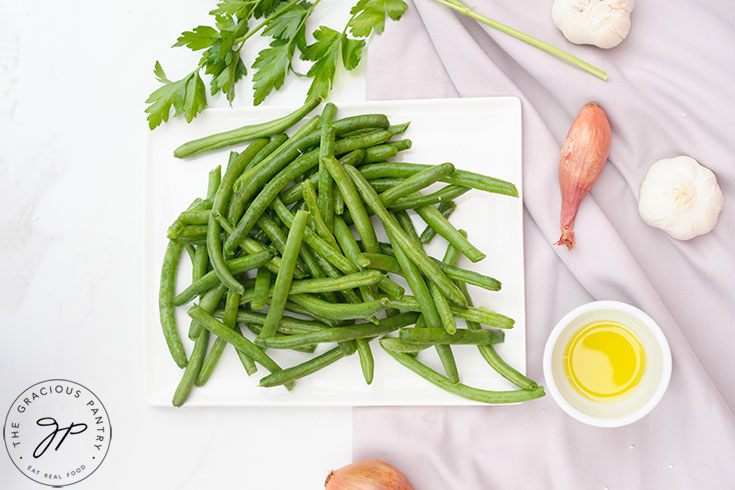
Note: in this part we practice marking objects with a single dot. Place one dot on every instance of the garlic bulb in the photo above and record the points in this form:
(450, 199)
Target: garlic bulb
(681, 197)
(604, 23)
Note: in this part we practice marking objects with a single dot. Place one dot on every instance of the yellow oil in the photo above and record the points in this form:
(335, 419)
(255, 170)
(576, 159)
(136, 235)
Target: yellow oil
(604, 361)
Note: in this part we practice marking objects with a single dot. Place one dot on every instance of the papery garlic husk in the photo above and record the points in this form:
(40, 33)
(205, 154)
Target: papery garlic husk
(602, 23)
(681, 197)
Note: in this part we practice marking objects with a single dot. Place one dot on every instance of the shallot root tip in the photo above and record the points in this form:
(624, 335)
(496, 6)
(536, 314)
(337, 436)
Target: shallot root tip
(329, 477)
(567, 238)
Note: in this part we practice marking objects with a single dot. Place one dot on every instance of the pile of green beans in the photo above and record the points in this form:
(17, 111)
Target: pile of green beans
(285, 255)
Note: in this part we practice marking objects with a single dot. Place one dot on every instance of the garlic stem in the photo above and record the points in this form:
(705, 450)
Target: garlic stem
(465, 10)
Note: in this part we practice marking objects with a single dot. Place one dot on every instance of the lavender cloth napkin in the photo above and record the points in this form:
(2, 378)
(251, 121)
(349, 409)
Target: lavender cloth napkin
(670, 92)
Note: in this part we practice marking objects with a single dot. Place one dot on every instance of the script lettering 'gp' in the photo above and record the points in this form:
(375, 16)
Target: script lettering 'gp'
(72, 429)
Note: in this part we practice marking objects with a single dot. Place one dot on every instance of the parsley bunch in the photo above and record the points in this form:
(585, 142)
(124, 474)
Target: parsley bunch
(235, 22)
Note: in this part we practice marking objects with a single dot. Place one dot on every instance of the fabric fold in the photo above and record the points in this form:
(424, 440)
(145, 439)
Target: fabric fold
(668, 93)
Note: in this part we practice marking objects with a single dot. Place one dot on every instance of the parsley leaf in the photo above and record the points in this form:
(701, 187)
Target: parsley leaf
(325, 54)
(351, 52)
(238, 8)
(200, 37)
(369, 15)
(187, 96)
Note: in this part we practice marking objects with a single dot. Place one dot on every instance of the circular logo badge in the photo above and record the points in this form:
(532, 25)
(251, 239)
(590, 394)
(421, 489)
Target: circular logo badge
(57, 432)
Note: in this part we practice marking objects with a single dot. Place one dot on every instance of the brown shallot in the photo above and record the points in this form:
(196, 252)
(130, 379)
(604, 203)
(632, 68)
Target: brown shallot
(368, 474)
(583, 155)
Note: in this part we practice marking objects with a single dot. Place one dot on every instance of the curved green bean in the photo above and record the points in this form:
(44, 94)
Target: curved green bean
(471, 393)
(245, 133)
(446, 208)
(443, 227)
(192, 370)
(367, 361)
(166, 294)
(215, 353)
(221, 198)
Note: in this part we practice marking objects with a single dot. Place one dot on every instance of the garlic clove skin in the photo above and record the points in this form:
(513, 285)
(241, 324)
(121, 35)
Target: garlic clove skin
(602, 23)
(681, 197)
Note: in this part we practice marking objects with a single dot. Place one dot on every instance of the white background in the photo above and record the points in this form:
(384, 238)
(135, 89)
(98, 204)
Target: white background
(73, 79)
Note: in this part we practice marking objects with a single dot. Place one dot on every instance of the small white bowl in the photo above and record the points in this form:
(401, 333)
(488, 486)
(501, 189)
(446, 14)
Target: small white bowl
(652, 386)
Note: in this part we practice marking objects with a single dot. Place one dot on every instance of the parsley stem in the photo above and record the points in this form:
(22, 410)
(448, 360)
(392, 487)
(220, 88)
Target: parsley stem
(274, 15)
(465, 10)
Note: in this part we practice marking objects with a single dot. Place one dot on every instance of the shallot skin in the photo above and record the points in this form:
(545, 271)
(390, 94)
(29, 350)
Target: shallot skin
(368, 474)
(583, 155)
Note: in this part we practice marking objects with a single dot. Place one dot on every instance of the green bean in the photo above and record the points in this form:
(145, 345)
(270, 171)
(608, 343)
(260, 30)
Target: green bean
(252, 247)
(187, 232)
(232, 337)
(479, 315)
(340, 311)
(166, 296)
(392, 289)
(459, 177)
(192, 370)
(199, 217)
(285, 276)
(262, 288)
(397, 129)
(215, 353)
(294, 193)
(245, 133)
(413, 250)
(340, 334)
(272, 146)
(460, 337)
(314, 241)
(446, 193)
(309, 349)
(380, 261)
(326, 184)
(303, 369)
(396, 345)
(190, 251)
(288, 325)
(416, 182)
(367, 362)
(322, 229)
(382, 185)
(296, 308)
(325, 285)
(446, 208)
(476, 394)
(352, 251)
(222, 197)
(247, 363)
(199, 263)
(383, 152)
(208, 303)
(215, 178)
(443, 227)
(354, 204)
(210, 279)
(407, 224)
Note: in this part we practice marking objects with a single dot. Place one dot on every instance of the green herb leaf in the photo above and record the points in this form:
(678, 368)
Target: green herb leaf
(369, 15)
(271, 67)
(325, 53)
(287, 25)
(200, 37)
(227, 76)
(187, 96)
(265, 8)
(351, 52)
(237, 8)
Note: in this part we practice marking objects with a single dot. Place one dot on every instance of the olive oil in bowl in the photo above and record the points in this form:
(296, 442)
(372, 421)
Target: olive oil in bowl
(604, 361)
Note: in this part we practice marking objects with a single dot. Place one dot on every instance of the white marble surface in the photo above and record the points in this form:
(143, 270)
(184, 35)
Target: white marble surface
(73, 78)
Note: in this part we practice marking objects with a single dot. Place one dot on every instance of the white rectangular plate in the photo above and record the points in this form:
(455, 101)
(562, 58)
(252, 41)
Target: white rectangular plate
(480, 134)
